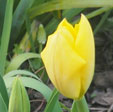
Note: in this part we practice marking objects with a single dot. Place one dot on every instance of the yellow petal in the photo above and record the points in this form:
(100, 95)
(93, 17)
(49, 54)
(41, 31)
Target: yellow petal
(84, 45)
(69, 27)
(64, 64)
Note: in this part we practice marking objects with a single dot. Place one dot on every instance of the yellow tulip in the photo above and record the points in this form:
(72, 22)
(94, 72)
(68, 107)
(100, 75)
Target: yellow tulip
(69, 58)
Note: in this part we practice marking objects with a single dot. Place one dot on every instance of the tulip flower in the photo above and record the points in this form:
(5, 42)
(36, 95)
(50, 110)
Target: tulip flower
(69, 58)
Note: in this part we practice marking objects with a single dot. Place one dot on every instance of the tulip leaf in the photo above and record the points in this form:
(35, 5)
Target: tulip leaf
(3, 107)
(18, 60)
(102, 21)
(5, 35)
(68, 14)
(22, 72)
(19, 18)
(2, 12)
(3, 91)
(52, 101)
(34, 84)
(80, 105)
(62, 4)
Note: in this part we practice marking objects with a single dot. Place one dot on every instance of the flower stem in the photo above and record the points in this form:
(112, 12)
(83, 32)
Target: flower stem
(64, 107)
(80, 106)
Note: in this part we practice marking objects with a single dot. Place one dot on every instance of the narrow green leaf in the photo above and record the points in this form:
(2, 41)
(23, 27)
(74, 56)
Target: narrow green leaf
(19, 18)
(102, 21)
(3, 107)
(3, 91)
(94, 13)
(20, 72)
(68, 14)
(5, 35)
(18, 60)
(36, 85)
(2, 13)
(67, 4)
(52, 101)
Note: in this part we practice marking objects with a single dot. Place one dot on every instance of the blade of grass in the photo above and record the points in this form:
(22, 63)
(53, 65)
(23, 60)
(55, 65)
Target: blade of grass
(5, 35)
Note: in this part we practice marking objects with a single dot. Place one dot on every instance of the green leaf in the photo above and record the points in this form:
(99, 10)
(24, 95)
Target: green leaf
(94, 13)
(80, 105)
(68, 14)
(19, 18)
(34, 84)
(20, 72)
(52, 101)
(3, 91)
(6, 35)
(19, 100)
(3, 107)
(67, 4)
(18, 60)
(26, 102)
(102, 21)
(2, 13)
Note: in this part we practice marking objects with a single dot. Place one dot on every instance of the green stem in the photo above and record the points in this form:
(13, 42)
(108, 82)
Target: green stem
(64, 107)
(40, 47)
(80, 106)
(6, 35)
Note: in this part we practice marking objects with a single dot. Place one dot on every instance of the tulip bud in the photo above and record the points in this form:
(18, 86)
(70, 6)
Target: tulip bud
(69, 58)
(19, 101)
(41, 34)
